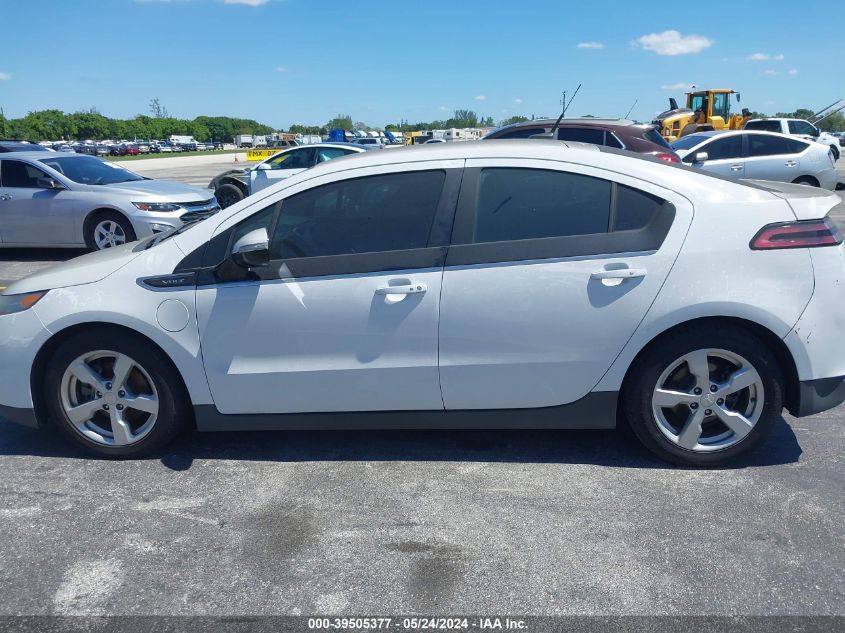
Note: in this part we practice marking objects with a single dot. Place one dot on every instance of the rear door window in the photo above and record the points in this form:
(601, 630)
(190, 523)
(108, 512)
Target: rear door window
(522, 132)
(763, 126)
(725, 148)
(765, 145)
(581, 135)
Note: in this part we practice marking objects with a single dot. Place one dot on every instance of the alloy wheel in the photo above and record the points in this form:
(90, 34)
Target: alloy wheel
(108, 234)
(109, 398)
(708, 400)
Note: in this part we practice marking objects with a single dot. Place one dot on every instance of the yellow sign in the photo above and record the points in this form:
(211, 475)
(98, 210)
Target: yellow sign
(261, 154)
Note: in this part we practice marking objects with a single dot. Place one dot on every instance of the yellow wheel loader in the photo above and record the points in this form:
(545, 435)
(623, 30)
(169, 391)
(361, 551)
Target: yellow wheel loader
(706, 110)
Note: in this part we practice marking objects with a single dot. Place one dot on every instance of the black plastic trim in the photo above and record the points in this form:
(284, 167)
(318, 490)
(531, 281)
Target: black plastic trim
(24, 417)
(176, 280)
(815, 396)
(596, 410)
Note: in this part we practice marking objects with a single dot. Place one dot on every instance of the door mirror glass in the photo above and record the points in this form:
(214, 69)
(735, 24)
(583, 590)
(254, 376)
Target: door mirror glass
(46, 182)
(264, 167)
(252, 250)
(701, 157)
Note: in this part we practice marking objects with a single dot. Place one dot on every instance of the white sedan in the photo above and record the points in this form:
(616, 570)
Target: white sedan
(504, 284)
(759, 156)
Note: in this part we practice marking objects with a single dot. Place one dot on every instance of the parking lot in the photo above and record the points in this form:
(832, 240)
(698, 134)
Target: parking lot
(541, 522)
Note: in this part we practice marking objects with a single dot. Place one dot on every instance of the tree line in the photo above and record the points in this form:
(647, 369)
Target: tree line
(55, 125)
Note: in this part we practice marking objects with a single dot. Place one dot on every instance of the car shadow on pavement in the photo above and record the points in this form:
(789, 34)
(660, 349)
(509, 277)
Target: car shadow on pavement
(603, 448)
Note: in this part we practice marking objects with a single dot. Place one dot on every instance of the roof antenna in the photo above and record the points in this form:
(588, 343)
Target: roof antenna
(565, 108)
(631, 108)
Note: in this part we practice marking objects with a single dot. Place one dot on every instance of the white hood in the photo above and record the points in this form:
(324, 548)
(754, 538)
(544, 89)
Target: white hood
(78, 271)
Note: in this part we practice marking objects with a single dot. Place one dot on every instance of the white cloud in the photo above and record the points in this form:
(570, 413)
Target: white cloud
(249, 3)
(778, 58)
(673, 43)
(281, 69)
(681, 85)
(5, 76)
(480, 98)
(443, 109)
(793, 71)
(590, 45)
(770, 72)
(757, 57)
(517, 100)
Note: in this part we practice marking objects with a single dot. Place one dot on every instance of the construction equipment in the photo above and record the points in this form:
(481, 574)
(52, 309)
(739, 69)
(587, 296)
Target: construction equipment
(830, 110)
(706, 110)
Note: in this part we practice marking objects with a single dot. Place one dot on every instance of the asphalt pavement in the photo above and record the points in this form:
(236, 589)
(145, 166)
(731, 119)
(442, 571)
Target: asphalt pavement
(428, 522)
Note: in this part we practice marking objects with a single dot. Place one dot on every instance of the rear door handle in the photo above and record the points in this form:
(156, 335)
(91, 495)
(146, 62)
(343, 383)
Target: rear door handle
(394, 294)
(5, 196)
(736, 167)
(616, 277)
(791, 163)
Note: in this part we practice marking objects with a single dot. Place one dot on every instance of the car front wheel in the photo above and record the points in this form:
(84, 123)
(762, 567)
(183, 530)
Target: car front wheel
(114, 394)
(228, 194)
(704, 397)
(107, 230)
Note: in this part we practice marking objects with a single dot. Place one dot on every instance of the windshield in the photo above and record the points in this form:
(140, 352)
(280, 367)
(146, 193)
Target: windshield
(88, 170)
(688, 142)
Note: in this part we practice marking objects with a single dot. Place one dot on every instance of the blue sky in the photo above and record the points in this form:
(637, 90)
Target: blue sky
(304, 61)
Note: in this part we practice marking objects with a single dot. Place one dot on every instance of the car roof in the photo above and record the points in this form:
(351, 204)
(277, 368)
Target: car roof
(573, 121)
(33, 155)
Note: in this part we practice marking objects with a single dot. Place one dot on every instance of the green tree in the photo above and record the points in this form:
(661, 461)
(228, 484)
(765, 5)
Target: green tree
(514, 119)
(340, 122)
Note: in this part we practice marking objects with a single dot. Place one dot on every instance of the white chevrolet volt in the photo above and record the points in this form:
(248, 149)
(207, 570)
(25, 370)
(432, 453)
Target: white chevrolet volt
(503, 284)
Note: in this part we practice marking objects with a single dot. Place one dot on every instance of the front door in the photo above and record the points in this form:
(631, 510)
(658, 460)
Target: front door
(724, 156)
(31, 214)
(281, 166)
(552, 269)
(345, 318)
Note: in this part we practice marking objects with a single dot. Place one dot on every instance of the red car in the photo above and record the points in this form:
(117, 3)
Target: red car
(618, 133)
(132, 150)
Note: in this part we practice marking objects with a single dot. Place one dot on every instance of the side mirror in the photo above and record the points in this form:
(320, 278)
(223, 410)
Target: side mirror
(264, 167)
(48, 183)
(252, 250)
(701, 157)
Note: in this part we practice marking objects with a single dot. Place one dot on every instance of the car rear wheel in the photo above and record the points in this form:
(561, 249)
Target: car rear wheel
(107, 230)
(114, 394)
(228, 194)
(806, 180)
(701, 398)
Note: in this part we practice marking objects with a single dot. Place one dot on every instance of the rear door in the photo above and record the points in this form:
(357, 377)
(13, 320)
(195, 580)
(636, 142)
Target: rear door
(552, 268)
(770, 157)
(31, 214)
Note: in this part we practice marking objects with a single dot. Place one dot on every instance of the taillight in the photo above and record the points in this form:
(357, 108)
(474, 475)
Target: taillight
(669, 158)
(801, 234)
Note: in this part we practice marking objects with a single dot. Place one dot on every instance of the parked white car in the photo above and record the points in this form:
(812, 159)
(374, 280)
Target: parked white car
(796, 127)
(507, 284)
(759, 156)
(75, 200)
(233, 185)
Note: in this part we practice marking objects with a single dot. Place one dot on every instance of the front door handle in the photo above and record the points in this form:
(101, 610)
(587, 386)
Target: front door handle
(791, 163)
(616, 277)
(5, 196)
(410, 289)
(736, 167)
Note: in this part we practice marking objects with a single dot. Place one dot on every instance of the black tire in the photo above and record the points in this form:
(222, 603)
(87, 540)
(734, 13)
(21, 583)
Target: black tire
(174, 410)
(806, 180)
(643, 376)
(836, 152)
(110, 216)
(228, 194)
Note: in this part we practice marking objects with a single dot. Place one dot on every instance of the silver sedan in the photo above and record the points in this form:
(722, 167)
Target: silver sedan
(76, 200)
(759, 156)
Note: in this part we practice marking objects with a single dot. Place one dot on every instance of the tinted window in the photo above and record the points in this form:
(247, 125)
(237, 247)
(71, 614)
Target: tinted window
(764, 126)
(654, 136)
(612, 141)
(724, 148)
(634, 208)
(762, 145)
(518, 204)
(14, 173)
(363, 215)
(802, 127)
(328, 153)
(294, 159)
(582, 135)
(521, 132)
(689, 141)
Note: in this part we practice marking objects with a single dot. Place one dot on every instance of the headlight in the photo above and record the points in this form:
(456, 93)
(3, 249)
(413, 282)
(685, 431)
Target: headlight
(12, 304)
(157, 206)
(161, 228)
